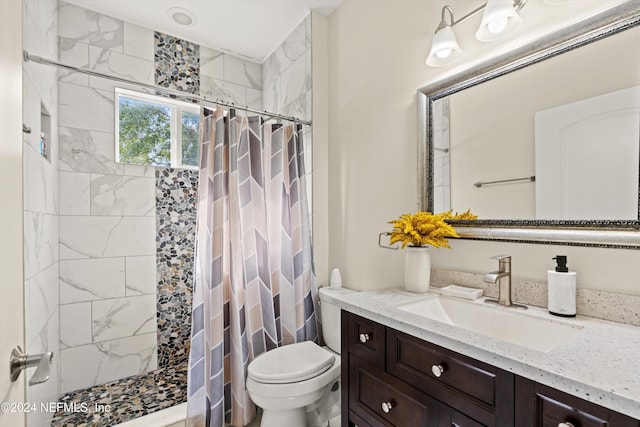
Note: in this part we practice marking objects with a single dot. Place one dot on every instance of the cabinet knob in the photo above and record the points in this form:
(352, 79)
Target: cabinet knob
(437, 370)
(387, 406)
(566, 424)
(364, 338)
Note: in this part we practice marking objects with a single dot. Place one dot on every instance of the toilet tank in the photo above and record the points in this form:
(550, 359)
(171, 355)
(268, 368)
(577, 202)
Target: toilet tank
(330, 315)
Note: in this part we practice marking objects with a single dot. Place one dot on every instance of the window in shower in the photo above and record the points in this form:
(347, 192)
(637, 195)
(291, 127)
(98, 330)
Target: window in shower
(156, 131)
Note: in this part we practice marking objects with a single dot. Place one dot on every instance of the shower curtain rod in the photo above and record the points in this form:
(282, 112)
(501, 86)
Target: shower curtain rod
(201, 99)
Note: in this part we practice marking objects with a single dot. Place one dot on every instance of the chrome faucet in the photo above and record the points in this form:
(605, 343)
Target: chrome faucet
(503, 278)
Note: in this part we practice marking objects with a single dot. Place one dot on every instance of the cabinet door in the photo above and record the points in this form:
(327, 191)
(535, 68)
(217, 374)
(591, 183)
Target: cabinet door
(381, 400)
(541, 406)
(366, 339)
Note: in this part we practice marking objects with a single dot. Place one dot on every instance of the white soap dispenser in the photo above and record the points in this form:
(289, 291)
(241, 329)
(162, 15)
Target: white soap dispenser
(561, 289)
(335, 279)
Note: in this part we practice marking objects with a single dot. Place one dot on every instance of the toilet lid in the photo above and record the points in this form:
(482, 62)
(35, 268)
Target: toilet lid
(291, 363)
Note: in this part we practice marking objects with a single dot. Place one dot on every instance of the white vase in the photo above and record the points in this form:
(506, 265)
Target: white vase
(417, 268)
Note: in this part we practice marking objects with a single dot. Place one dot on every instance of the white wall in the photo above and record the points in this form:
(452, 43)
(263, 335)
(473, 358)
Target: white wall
(377, 50)
(12, 311)
(320, 108)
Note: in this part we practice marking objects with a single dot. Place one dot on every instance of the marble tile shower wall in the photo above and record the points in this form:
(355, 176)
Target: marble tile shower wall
(441, 181)
(287, 82)
(107, 210)
(228, 78)
(41, 200)
(108, 281)
(286, 74)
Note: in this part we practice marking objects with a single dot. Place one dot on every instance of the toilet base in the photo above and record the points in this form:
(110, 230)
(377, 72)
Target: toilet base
(291, 418)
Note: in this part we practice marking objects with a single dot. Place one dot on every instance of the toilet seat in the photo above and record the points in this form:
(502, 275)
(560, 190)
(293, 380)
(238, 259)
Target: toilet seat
(291, 363)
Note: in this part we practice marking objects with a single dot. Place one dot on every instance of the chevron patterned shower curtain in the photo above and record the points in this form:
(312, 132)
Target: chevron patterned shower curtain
(254, 284)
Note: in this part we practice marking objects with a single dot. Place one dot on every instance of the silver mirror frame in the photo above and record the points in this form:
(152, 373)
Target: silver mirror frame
(610, 234)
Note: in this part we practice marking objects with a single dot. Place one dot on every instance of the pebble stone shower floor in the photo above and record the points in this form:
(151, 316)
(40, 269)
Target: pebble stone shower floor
(127, 398)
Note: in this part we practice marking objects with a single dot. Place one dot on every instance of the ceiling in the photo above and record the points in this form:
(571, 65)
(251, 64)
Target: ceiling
(249, 28)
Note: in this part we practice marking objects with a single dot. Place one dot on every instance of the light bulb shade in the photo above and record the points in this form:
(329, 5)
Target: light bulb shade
(499, 18)
(443, 48)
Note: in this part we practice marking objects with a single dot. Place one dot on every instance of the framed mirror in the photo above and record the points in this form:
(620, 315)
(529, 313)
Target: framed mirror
(543, 144)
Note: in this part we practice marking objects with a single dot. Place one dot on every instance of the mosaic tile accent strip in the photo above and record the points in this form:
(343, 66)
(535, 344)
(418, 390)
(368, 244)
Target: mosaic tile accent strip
(177, 63)
(125, 399)
(176, 208)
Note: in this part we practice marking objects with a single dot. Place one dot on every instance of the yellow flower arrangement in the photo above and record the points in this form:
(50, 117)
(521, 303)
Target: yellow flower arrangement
(425, 228)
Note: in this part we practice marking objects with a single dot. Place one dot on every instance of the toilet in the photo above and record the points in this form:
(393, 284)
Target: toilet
(298, 385)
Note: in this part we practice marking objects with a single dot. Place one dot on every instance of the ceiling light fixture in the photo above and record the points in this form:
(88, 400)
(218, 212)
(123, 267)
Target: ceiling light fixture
(181, 16)
(500, 18)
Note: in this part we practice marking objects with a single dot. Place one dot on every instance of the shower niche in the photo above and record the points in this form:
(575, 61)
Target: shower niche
(45, 133)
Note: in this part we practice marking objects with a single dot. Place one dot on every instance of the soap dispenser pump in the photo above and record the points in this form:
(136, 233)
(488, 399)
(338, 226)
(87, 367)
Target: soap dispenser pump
(561, 289)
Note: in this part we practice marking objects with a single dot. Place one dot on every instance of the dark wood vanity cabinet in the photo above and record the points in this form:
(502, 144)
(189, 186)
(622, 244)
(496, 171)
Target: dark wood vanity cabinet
(394, 379)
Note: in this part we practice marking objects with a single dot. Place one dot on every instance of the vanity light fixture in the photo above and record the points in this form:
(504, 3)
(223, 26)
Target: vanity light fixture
(444, 46)
(500, 17)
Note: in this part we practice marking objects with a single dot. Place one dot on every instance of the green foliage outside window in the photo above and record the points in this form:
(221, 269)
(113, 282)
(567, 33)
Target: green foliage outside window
(190, 140)
(145, 133)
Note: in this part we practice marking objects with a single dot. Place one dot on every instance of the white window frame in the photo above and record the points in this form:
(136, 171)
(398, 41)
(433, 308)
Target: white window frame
(177, 108)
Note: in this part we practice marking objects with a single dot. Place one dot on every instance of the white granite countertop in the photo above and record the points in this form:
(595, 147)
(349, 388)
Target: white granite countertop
(601, 364)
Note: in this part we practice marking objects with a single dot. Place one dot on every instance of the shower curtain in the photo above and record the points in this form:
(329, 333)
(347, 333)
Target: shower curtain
(254, 286)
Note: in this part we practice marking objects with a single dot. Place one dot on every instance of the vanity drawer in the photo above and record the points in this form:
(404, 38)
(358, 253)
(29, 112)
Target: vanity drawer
(461, 420)
(381, 400)
(540, 406)
(553, 413)
(366, 339)
(483, 391)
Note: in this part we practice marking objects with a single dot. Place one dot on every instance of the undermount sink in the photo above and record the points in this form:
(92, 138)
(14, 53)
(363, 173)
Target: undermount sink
(503, 323)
